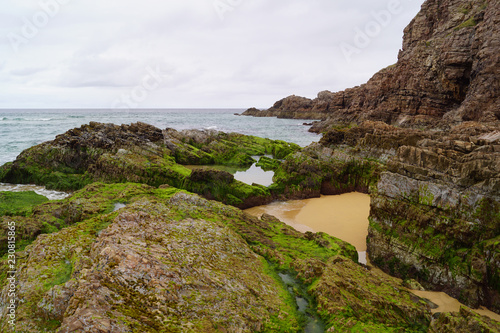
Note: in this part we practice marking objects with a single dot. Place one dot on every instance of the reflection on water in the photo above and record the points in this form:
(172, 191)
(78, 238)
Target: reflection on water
(254, 174)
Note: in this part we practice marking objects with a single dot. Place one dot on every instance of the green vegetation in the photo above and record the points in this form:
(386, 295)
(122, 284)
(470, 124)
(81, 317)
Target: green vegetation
(305, 173)
(19, 203)
(469, 23)
(70, 168)
(268, 164)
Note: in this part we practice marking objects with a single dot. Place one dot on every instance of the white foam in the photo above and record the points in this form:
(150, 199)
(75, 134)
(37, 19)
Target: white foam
(41, 190)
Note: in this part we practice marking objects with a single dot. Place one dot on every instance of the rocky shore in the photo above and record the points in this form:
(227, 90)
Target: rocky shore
(133, 256)
(426, 133)
(145, 244)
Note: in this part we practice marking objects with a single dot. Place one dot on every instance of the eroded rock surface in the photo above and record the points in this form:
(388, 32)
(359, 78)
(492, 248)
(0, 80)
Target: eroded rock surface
(435, 214)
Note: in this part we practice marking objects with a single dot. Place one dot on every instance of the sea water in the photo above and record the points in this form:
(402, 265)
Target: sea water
(21, 129)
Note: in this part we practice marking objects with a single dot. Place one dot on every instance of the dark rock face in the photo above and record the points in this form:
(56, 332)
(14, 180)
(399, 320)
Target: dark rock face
(447, 72)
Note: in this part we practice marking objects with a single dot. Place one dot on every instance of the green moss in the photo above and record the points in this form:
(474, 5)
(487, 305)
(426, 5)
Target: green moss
(469, 23)
(60, 274)
(268, 164)
(19, 203)
(304, 172)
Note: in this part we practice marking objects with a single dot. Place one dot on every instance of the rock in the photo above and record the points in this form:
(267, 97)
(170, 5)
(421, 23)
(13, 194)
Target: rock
(290, 107)
(348, 304)
(464, 321)
(145, 154)
(169, 260)
(320, 170)
(433, 216)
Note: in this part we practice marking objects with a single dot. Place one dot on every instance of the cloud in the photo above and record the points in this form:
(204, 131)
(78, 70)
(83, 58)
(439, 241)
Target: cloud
(26, 71)
(91, 52)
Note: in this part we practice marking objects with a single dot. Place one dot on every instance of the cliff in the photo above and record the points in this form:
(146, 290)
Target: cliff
(435, 192)
(447, 72)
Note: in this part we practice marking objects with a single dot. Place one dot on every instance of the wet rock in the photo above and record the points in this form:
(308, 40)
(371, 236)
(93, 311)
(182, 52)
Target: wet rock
(142, 153)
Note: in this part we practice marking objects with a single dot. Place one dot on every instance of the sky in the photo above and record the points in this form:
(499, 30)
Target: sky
(191, 53)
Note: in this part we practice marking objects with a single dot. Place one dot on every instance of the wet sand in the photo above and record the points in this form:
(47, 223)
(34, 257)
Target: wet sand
(343, 216)
(346, 217)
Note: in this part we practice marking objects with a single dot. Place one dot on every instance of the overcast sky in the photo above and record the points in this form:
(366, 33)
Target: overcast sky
(191, 53)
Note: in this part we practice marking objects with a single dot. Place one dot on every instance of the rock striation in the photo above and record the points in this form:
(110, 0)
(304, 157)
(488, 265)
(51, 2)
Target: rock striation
(436, 214)
(447, 72)
(434, 206)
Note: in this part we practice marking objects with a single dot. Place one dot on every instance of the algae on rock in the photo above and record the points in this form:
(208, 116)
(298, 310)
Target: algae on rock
(142, 153)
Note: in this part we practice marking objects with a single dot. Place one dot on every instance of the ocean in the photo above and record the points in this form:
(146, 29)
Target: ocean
(21, 129)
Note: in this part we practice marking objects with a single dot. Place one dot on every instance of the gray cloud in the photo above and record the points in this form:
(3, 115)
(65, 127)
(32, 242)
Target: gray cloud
(88, 53)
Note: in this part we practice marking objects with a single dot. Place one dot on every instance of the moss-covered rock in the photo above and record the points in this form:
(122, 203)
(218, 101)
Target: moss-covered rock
(142, 153)
(19, 203)
(322, 170)
(353, 299)
(434, 215)
(166, 261)
(465, 321)
(268, 164)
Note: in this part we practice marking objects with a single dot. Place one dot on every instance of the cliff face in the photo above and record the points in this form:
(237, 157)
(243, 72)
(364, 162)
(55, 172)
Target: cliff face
(434, 211)
(435, 207)
(435, 214)
(447, 72)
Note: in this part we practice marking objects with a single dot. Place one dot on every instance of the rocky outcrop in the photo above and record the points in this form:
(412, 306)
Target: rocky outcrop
(145, 154)
(172, 261)
(435, 215)
(434, 207)
(464, 321)
(434, 211)
(447, 72)
(167, 260)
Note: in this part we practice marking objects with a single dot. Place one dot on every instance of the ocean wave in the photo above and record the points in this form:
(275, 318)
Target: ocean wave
(41, 190)
(28, 119)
